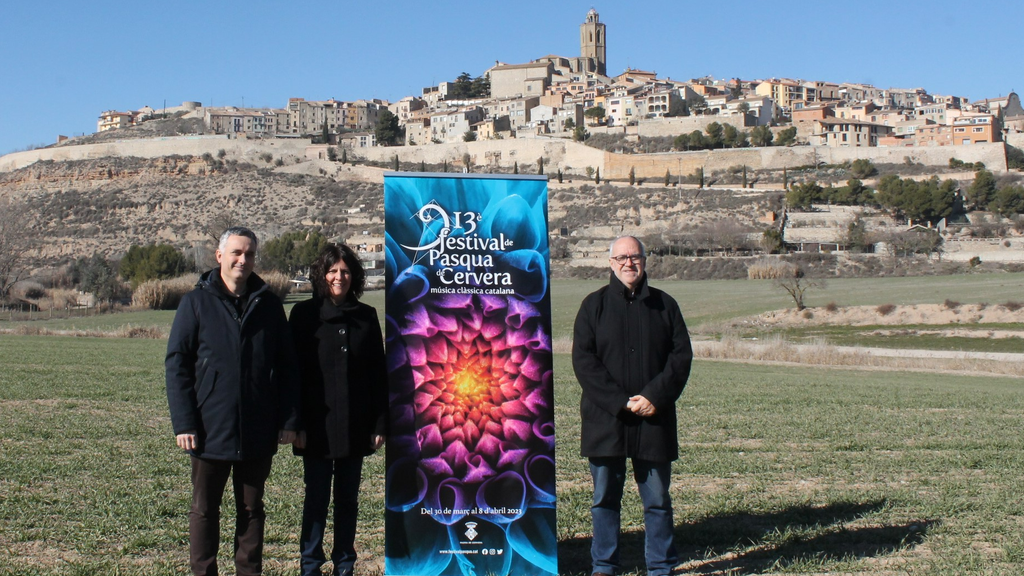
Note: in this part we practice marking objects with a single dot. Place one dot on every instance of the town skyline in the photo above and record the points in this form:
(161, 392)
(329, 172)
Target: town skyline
(77, 71)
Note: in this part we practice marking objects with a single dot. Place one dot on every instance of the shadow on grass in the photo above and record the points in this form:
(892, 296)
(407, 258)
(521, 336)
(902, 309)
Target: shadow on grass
(753, 543)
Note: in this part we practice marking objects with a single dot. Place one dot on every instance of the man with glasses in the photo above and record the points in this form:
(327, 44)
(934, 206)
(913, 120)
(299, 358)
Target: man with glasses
(631, 354)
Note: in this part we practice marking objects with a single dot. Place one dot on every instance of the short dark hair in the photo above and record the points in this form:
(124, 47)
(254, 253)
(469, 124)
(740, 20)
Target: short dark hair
(329, 256)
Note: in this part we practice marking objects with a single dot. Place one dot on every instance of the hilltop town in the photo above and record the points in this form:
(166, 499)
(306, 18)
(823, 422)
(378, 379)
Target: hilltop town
(572, 97)
(700, 168)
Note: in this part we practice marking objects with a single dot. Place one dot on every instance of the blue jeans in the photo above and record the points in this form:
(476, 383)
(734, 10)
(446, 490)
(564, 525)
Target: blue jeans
(652, 480)
(317, 474)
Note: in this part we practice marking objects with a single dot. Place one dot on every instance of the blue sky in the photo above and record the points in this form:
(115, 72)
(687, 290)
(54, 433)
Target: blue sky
(64, 62)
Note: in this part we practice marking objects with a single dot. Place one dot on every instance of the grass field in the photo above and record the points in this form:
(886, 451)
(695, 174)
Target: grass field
(783, 470)
(701, 301)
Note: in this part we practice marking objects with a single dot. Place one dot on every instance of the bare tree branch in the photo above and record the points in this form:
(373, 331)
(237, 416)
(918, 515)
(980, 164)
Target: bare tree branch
(15, 241)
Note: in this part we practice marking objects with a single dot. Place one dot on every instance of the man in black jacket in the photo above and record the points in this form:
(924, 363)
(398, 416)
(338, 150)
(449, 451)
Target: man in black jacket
(631, 354)
(233, 396)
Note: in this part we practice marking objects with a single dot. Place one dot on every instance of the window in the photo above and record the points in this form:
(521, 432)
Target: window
(978, 129)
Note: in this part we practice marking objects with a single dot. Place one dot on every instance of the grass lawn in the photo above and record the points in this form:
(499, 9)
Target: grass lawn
(783, 470)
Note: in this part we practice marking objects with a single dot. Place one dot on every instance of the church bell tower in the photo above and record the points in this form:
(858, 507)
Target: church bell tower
(592, 41)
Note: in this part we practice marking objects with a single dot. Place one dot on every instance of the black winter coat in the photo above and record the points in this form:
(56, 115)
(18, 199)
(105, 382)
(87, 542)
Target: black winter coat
(231, 378)
(343, 375)
(622, 347)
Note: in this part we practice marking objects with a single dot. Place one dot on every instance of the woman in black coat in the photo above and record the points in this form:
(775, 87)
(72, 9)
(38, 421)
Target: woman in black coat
(344, 402)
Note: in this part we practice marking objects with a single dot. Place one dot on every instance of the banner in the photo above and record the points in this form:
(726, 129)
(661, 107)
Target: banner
(470, 485)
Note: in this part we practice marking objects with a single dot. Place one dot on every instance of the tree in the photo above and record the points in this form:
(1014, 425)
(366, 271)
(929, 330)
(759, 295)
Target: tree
(863, 168)
(668, 177)
(1014, 157)
(462, 87)
(325, 136)
(292, 252)
(332, 153)
(344, 156)
(697, 141)
(677, 108)
(714, 132)
(596, 114)
(559, 175)
(386, 130)
(796, 284)
(97, 275)
(786, 137)
(912, 242)
(802, 196)
(597, 177)
(580, 134)
(540, 166)
(632, 176)
(730, 136)
(681, 142)
(856, 238)
(481, 87)
(467, 161)
(928, 200)
(1008, 201)
(772, 241)
(697, 104)
(395, 164)
(761, 136)
(15, 241)
(469, 136)
(569, 124)
(982, 191)
(423, 166)
(515, 167)
(152, 262)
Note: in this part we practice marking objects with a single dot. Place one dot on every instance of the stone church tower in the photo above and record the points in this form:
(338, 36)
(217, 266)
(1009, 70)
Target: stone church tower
(592, 41)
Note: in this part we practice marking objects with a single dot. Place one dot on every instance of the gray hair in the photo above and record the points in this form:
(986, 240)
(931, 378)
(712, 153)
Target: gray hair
(611, 247)
(237, 231)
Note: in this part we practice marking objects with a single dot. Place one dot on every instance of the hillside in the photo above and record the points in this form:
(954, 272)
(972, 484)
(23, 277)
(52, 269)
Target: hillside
(103, 205)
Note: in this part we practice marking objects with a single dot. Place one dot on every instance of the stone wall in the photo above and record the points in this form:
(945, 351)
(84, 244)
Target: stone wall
(158, 147)
(559, 154)
(988, 249)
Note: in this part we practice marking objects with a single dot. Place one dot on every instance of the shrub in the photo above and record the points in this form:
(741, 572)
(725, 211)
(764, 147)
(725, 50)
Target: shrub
(278, 283)
(769, 269)
(152, 262)
(831, 306)
(807, 314)
(885, 309)
(951, 304)
(163, 294)
(29, 291)
(1012, 306)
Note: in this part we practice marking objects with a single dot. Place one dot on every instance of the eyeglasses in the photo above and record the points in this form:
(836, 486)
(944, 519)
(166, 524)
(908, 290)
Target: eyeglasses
(634, 258)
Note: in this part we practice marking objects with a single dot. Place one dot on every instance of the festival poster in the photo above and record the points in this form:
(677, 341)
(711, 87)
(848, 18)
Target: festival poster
(470, 483)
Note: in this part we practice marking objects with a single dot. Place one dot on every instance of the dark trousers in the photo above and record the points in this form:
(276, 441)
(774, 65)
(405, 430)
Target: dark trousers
(317, 473)
(209, 477)
(652, 481)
